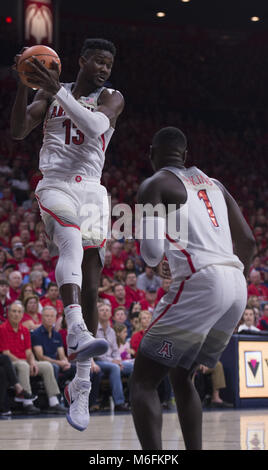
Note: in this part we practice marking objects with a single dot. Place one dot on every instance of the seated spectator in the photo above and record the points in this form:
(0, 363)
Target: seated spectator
(9, 379)
(27, 289)
(133, 317)
(37, 266)
(132, 292)
(248, 321)
(218, 383)
(5, 234)
(263, 320)
(3, 260)
(163, 289)
(108, 270)
(110, 363)
(37, 281)
(117, 257)
(32, 319)
(52, 298)
(123, 344)
(256, 287)
(148, 280)
(120, 316)
(145, 318)
(15, 342)
(4, 300)
(35, 250)
(23, 263)
(106, 285)
(47, 346)
(149, 303)
(119, 298)
(254, 303)
(15, 282)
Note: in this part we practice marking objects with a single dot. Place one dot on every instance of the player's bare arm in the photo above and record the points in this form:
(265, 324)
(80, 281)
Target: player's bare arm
(160, 190)
(242, 236)
(111, 104)
(24, 117)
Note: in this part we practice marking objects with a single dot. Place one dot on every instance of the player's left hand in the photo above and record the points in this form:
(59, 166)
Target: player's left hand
(47, 79)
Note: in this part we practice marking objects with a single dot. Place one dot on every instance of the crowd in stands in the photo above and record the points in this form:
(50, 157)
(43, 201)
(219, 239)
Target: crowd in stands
(221, 110)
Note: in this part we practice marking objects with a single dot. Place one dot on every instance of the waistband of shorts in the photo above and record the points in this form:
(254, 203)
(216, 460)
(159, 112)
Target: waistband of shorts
(75, 178)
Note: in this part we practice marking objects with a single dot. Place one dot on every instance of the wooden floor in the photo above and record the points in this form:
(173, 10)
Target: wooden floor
(222, 430)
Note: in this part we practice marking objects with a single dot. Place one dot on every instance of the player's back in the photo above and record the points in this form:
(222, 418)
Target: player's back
(198, 234)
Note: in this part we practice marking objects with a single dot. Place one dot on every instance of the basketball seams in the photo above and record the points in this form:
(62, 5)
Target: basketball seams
(36, 55)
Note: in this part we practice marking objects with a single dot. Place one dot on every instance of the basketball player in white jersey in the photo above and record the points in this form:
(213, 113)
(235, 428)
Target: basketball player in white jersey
(192, 324)
(78, 121)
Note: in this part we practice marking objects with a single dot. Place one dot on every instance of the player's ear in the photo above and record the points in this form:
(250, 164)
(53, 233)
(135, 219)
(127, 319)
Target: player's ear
(82, 61)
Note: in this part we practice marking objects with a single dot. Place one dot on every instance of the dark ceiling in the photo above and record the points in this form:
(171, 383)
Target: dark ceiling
(223, 14)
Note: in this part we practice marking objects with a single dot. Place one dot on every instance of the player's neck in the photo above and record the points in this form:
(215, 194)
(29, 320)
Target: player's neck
(82, 88)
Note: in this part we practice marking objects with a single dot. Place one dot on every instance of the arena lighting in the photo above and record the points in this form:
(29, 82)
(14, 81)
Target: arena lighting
(255, 18)
(8, 19)
(160, 14)
(185, 1)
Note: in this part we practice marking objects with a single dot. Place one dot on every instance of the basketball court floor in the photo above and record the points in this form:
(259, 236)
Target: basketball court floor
(245, 429)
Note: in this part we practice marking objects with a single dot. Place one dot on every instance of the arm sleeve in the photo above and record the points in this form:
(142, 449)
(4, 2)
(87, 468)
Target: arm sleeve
(153, 238)
(90, 123)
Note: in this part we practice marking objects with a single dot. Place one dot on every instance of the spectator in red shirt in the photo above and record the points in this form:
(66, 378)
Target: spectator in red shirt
(119, 298)
(52, 299)
(132, 292)
(256, 287)
(4, 301)
(145, 318)
(5, 234)
(263, 320)
(15, 342)
(149, 302)
(32, 319)
(163, 289)
(14, 281)
(23, 263)
(118, 261)
(35, 250)
(108, 270)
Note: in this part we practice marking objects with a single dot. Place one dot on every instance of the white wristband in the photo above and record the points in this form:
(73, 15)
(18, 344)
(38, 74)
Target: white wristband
(90, 123)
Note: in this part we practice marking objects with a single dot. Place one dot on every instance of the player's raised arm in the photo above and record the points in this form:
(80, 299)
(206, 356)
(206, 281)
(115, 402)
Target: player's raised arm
(24, 117)
(242, 236)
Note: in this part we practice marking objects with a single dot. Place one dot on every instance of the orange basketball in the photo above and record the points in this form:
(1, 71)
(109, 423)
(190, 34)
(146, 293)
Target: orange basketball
(43, 53)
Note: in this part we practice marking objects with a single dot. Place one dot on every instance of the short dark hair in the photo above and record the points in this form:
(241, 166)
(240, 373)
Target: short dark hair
(52, 284)
(170, 138)
(102, 44)
(3, 282)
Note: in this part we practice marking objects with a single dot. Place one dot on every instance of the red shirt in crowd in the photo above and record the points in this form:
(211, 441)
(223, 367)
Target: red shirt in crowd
(13, 294)
(114, 303)
(17, 342)
(27, 317)
(108, 272)
(260, 291)
(59, 305)
(134, 295)
(117, 263)
(136, 339)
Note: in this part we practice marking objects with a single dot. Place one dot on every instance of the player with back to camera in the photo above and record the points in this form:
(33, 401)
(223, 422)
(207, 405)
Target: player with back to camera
(79, 120)
(192, 324)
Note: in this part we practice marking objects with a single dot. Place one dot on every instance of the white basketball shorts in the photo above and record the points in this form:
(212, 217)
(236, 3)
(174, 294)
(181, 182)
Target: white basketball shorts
(194, 321)
(77, 202)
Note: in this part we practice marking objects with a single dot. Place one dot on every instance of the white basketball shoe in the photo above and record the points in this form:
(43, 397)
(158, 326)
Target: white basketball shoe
(77, 394)
(82, 345)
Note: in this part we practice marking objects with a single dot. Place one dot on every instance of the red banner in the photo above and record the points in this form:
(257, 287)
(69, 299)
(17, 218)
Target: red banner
(38, 22)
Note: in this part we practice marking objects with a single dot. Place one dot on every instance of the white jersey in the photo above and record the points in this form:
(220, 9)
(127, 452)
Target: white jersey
(202, 234)
(66, 150)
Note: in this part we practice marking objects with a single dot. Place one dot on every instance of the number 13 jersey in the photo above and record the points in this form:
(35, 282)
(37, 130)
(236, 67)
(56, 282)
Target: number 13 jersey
(66, 150)
(198, 234)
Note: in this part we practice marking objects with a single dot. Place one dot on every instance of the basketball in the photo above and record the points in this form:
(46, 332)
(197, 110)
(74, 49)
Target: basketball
(43, 53)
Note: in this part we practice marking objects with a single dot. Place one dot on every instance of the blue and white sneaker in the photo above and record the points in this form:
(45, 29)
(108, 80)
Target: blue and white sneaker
(77, 396)
(82, 345)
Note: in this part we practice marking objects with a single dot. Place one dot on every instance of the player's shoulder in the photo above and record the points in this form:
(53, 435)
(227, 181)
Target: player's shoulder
(151, 188)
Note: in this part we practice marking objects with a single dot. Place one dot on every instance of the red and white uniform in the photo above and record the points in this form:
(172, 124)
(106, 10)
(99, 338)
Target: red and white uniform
(71, 163)
(193, 322)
